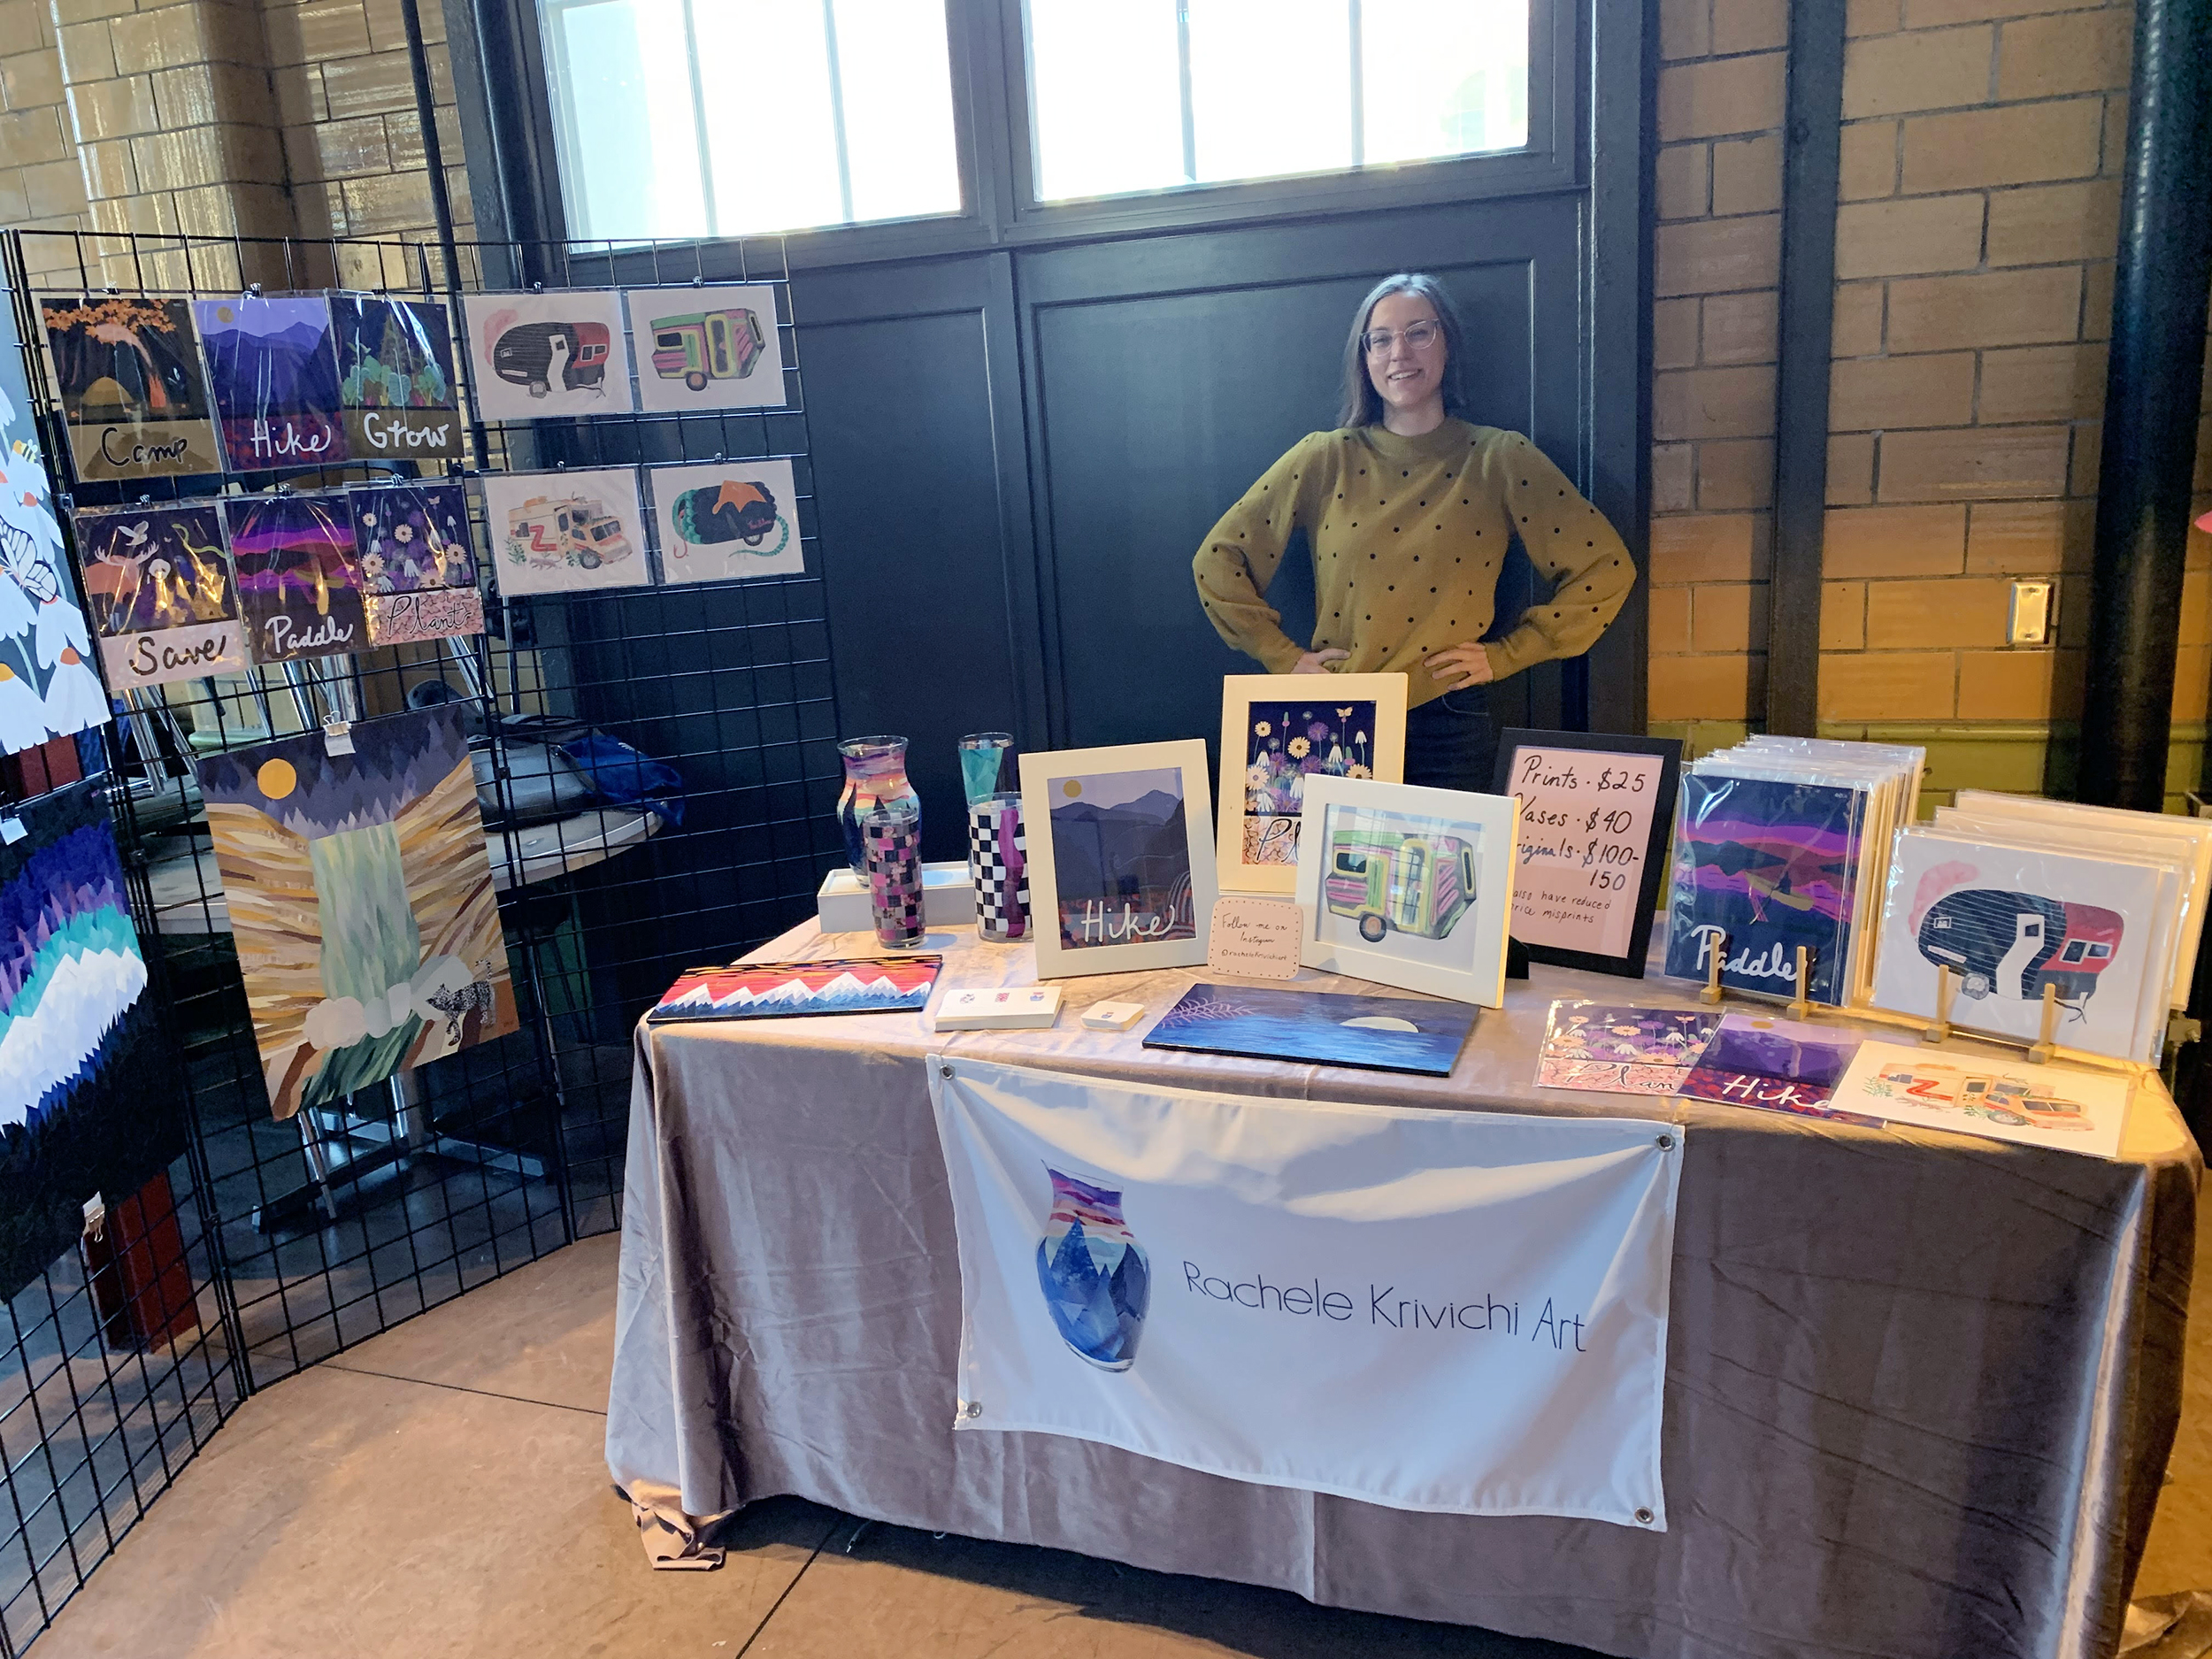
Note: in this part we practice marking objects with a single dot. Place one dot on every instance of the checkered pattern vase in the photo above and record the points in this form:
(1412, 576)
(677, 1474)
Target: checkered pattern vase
(891, 848)
(998, 861)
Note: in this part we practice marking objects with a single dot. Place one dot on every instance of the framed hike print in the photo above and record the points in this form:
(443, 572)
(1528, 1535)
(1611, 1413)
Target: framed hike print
(1596, 813)
(725, 520)
(1122, 875)
(133, 397)
(556, 353)
(1408, 885)
(1278, 730)
(706, 348)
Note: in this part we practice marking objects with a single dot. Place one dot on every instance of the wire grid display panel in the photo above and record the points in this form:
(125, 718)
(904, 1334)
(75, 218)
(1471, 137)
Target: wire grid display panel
(94, 1424)
(729, 683)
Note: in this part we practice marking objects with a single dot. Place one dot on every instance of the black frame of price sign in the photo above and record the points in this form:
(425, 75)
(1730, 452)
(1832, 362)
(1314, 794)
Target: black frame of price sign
(1667, 752)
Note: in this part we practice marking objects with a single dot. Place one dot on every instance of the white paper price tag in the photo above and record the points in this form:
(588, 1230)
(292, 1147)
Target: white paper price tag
(338, 738)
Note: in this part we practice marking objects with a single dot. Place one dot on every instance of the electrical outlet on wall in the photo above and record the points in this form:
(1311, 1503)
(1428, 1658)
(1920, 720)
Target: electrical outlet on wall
(2030, 623)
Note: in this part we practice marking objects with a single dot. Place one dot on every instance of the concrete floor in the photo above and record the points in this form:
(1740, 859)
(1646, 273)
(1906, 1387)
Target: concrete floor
(440, 1491)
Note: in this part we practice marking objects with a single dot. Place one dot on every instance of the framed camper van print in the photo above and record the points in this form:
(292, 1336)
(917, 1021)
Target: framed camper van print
(554, 533)
(706, 348)
(1408, 885)
(1277, 732)
(1121, 857)
(561, 352)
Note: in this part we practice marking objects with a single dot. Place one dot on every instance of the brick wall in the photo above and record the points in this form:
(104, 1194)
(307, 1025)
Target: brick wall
(1717, 261)
(254, 117)
(1982, 154)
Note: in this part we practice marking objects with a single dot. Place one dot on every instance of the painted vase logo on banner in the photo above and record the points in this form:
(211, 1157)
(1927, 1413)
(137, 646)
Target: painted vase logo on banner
(1413, 1259)
(1096, 1279)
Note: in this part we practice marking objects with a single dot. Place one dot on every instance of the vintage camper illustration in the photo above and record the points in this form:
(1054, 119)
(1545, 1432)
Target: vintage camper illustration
(2001, 1097)
(1387, 881)
(540, 356)
(2011, 945)
(547, 532)
(706, 346)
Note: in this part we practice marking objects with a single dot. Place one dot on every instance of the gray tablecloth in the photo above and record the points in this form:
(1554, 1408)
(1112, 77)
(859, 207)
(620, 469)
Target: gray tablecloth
(1920, 1386)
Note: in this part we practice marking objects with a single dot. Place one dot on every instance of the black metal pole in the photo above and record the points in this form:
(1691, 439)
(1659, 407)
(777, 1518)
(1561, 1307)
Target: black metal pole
(433, 156)
(1812, 159)
(2152, 391)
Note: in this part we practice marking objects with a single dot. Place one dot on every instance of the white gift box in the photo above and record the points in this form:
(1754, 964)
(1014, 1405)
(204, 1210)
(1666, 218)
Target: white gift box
(947, 899)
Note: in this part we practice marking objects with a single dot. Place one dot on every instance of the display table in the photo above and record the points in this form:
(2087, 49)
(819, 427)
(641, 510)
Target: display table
(1920, 1386)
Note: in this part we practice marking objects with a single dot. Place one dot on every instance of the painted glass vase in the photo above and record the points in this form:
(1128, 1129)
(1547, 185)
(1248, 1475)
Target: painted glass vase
(987, 765)
(875, 773)
(891, 847)
(1096, 1279)
(998, 861)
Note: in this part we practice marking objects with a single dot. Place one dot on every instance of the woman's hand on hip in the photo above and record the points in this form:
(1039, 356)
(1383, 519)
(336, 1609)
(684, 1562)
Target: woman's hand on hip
(1462, 666)
(1318, 661)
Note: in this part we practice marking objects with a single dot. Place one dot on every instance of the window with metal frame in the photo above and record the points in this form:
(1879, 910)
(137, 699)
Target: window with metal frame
(687, 118)
(1146, 96)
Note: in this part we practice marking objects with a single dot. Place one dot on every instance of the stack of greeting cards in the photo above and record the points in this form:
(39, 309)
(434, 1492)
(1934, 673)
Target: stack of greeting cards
(1783, 843)
(2016, 897)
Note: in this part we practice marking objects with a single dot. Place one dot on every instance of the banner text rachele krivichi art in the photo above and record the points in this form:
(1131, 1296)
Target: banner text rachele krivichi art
(1208, 1278)
(1387, 1306)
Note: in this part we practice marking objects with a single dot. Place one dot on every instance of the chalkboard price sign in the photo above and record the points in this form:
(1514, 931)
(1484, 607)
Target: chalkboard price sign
(1596, 811)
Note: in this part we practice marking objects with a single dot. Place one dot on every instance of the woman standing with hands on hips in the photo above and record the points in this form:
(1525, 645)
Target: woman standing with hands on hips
(1410, 509)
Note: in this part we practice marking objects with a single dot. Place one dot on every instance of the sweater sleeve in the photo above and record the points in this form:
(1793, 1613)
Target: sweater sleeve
(1571, 541)
(1240, 554)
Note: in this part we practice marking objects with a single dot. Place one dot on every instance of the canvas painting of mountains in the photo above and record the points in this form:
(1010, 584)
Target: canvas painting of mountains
(272, 368)
(784, 990)
(360, 897)
(1381, 1033)
(1121, 858)
(1761, 866)
(90, 1091)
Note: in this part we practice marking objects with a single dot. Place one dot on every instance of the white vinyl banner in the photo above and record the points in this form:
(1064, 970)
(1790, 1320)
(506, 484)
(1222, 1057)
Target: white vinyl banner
(1455, 1311)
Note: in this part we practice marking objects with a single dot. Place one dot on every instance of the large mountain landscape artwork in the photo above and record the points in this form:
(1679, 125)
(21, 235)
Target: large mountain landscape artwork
(361, 899)
(1121, 858)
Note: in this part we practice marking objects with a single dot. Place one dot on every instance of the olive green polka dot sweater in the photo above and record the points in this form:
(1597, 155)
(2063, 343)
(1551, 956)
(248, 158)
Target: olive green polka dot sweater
(1408, 535)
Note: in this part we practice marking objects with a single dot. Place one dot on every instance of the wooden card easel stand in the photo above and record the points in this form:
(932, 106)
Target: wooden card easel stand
(1711, 992)
(1802, 1005)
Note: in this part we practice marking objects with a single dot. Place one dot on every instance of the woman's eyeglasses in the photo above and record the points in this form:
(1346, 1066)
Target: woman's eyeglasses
(1418, 337)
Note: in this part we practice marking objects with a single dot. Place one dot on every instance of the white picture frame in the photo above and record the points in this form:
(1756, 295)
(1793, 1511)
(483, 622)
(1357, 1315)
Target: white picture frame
(1361, 720)
(564, 352)
(750, 506)
(722, 350)
(1159, 911)
(1407, 926)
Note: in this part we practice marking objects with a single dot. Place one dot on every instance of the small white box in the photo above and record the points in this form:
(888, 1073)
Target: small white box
(841, 904)
(1014, 1008)
(1112, 1016)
